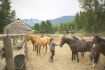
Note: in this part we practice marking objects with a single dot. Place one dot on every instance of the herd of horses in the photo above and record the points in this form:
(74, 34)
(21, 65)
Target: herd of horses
(95, 47)
(38, 41)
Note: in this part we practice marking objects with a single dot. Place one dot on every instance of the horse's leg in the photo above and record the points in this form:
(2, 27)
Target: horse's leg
(77, 57)
(37, 49)
(95, 60)
(72, 55)
(33, 46)
(94, 63)
(45, 50)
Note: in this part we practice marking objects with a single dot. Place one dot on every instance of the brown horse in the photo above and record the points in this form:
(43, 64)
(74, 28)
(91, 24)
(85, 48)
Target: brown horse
(38, 41)
(45, 41)
(32, 38)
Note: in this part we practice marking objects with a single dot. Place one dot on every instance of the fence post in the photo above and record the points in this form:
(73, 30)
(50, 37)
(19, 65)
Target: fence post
(8, 53)
(26, 49)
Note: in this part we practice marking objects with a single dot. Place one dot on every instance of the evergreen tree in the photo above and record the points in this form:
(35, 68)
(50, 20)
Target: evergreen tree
(13, 15)
(36, 28)
(43, 27)
(92, 16)
(5, 14)
(49, 28)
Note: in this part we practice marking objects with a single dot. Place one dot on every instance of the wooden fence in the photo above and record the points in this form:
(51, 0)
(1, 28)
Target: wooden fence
(7, 50)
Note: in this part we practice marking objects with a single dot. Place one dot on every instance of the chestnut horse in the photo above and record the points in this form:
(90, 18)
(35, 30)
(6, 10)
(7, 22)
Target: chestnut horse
(45, 41)
(38, 41)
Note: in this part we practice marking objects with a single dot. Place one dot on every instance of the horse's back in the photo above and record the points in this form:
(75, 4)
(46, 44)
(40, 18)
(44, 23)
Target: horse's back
(36, 39)
(45, 40)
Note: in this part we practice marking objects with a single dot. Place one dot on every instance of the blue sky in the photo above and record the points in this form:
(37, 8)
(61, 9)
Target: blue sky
(45, 9)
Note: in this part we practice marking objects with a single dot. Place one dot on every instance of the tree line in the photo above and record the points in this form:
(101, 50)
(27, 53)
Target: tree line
(43, 27)
(92, 17)
(47, 27)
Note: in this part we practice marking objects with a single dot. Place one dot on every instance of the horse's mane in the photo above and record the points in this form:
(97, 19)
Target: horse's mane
(75, 38)
(100, 40)
(70, 39)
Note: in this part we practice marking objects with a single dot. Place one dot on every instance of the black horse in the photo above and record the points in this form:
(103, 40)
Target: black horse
(76, 46)
(98, 48)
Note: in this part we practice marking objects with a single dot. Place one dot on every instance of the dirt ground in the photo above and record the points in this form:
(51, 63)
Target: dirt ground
(62, 60)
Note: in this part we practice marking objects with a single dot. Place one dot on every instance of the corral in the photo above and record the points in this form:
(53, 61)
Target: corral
(62, 59)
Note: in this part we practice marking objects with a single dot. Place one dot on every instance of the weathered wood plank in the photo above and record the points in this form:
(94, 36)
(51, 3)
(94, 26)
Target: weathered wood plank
(20, 44)
(8, 53)
(11, 35)
(2, 54)
(26, 48)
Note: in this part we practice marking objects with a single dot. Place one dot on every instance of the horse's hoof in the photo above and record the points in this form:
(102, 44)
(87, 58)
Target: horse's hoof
(94, 65)
(50, 60)
(73, 61)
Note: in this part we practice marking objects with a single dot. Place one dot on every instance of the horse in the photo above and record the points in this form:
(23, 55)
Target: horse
(74, 37)
(45, 41)
(32, 38)
(38, 41)
(76, 46)
(98, 48)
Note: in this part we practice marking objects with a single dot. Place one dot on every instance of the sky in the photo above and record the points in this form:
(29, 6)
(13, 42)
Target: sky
(44, 9)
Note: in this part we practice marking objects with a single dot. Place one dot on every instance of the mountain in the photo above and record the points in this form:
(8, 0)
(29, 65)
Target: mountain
(31, 22)
(58, 20)
(62, 19)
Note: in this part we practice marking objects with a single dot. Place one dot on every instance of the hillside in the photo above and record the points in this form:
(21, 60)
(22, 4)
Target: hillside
(58, 20)
(31, 22)
(62, 19)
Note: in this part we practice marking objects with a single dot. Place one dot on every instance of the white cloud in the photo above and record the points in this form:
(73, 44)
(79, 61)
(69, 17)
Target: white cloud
(44, 9)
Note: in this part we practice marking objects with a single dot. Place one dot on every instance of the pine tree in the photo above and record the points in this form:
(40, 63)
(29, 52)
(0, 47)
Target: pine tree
(5, 14)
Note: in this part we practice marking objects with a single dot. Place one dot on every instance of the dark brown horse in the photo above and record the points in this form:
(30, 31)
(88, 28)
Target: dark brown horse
(74, 37)
(76, 46)
(98, 48)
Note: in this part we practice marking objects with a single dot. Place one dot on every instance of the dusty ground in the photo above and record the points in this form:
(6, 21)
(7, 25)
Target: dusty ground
(62, 60)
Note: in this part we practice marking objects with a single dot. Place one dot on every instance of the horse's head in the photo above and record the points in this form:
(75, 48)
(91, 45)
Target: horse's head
(96, 39)
(28, 37)
(95, 52)
(62, 41)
